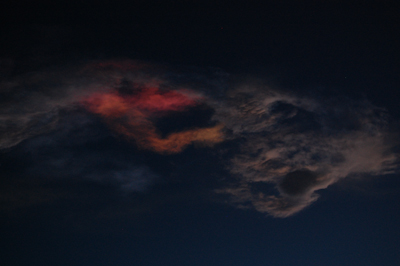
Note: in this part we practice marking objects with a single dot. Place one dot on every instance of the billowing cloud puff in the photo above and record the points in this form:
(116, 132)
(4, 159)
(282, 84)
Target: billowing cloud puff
(293, 146)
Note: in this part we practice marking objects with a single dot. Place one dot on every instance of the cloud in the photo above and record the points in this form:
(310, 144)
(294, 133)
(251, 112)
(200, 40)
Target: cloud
(132, 115)
(283, 148)
(54, 118)
(31, 103)
(292, 146)
(79, 149)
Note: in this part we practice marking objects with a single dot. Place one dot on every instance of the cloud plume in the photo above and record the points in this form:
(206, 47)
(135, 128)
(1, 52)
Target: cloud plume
(297, 145)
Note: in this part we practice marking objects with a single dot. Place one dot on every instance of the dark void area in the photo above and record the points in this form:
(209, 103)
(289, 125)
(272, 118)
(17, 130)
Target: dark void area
(129, 88)
(126, 88)
(295, 118)
(298, 182)
(195, 117)
(262, 187)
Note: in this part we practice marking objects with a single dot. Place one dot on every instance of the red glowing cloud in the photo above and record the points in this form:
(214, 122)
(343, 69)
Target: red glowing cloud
(130, 115)
(152, 99)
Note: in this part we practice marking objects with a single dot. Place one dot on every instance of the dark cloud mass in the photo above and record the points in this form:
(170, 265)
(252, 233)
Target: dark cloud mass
(298, 182)
(75, 123)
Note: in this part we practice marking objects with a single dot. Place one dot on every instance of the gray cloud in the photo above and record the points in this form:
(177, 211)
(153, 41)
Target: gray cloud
(299, 145)
(74, 150)
(30, 103)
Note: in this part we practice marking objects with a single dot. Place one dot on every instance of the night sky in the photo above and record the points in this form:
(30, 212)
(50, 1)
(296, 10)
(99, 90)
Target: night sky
(199, 133)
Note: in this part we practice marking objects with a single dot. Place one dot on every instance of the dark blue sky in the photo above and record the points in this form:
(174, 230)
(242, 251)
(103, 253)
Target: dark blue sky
(76, 190)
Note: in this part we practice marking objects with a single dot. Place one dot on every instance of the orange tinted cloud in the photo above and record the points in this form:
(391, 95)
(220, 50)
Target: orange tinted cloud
(130, 115)
(147, 138)
(107, 104)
